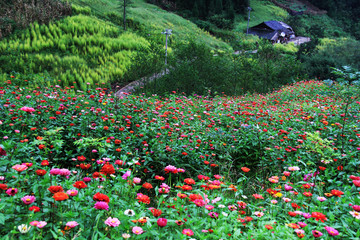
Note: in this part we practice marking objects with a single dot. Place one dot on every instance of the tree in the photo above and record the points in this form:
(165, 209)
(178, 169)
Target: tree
(124, 4)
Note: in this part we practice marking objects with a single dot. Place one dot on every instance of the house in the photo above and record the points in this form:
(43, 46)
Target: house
(275, 31)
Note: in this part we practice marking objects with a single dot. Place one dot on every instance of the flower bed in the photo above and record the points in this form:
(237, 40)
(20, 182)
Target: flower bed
(85, 165)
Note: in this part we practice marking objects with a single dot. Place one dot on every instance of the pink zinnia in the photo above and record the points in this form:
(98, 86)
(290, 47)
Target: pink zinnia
(137, 230)
(187, 232)
(19, 167)
(112, 222)
(28, 199)
(199, 202)
(72, 192)
(101, 205)
(11, 191)
(332, 231)
(87, 179)
(161, 222)
(126, 175)
(356, 207)
(316, 233)
(209, 207)
(136, 180)
(41, 224)
(71, 224)
(55, 171)
(64, 172)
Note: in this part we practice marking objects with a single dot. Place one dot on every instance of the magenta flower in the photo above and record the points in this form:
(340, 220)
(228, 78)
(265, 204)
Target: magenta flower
(112, 222)
(87, 179)
(11, 191)
(316, 233)
(101, 206)
(126, 175)
(28, 199)
(287, 187)
(71, 224)
(213, 214)
(137, 230)
(332, 231)
(161, 222)
(302, 224)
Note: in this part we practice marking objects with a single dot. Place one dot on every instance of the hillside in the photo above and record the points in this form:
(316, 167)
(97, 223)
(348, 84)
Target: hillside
(90, 47)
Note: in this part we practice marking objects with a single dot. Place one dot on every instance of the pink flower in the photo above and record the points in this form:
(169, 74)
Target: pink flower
(171, 169)
(11, 191)
(101, 206)
(28, 199)
(137, 230)
(213, 214)
(187, 232)
(27, 109)
(87, 179)
(209, 207)
(72, 224)
(331, 231)
(356, 208)
(356, 183)
(41, 224)
(19, 167)
(161, 222)
(316, 233)
(286, 173)
(112, 222)
(302, 224)
(136, 180)
(72, 192)
(126, 175)
(199, 202)
(288, 187)
(34, 223)
(55, 171)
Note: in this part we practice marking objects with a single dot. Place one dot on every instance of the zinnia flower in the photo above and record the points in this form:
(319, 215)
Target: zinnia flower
(19, 167)
(187, 232)
(34, 208)
(161, 222)
(101, 206)
(112, 222)
(129, 212)
(318, 216)
(72, 224)
(316, 233)
(11, 191)
(355, 214)
(137, 230)
(331, 231)
(60, 196)
(79, 185)
(101, 197)
(23, 228)
(55, 189)
(28, 199)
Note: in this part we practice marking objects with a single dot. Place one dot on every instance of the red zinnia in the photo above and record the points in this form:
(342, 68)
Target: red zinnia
(41, 172)
(79, 185)
(156, 212)
(55, 189)
(101, 197)
(189, 181)
(3, 186)
(60, 196)
(245, 169)
(107, 169)
(143, 198)
(336, 193)
(45, 163)
(85, 166)
(147, 186)
(34, 208)
(318, 216)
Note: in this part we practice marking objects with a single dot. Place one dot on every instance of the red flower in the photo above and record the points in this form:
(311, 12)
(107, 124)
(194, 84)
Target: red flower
(269, 227)
(81, 158)
(356, 183)
(41, 172)
(295, 206)
(79, 185)
(159, 178)
(3, 186)
(307, 194)
(34, 208)
(147, 186)
(156, 212)
(189, 181)
(193, 197)
(186, 188)
(45, 163)
(85, 166)
(318, 216)
(2, 152)
(292, 214)
(143, 198)
(202, 177)
(245, 169)
(41, 146)
(55, 189)
(107, 169)
(96, 175)
(99, 197)
(336, 193)
(60, 196)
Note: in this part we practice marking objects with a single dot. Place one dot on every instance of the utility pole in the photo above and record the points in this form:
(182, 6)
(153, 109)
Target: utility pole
(247, 29)
(167, 33)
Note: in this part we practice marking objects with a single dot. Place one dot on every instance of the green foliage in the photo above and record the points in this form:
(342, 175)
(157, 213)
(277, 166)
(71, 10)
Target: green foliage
(77, 50)
(320, 56)
(194, 69)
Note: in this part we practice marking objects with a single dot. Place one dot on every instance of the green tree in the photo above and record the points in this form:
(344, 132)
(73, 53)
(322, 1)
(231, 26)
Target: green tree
(124, 4)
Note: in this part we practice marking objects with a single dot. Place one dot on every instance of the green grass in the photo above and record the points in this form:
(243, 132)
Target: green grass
(150, 19)
(262, 11)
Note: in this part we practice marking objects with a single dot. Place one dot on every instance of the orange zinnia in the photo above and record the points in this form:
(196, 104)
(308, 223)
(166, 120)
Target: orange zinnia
(60, 196)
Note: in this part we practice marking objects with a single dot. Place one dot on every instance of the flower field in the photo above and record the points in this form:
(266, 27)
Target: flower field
(86, 165)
